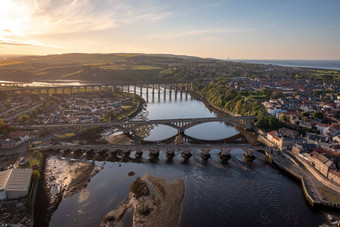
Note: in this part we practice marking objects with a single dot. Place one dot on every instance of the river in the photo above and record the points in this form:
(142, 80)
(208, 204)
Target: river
(236, 193)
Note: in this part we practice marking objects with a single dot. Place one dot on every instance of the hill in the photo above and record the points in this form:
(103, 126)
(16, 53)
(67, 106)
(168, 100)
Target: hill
(94, 67)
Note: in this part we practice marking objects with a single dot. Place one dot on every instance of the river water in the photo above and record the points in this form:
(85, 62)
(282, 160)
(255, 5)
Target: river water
(236, 193)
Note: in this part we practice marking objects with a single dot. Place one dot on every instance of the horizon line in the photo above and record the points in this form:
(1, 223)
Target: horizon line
(223, 59)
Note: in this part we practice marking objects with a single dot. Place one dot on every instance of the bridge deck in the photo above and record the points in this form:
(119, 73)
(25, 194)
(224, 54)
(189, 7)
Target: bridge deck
(149, 122)
(152, 147)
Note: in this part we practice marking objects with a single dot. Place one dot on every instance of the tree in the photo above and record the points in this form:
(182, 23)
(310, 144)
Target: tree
(283, 118)
(24, 118)
(305, 114)
(36, 176)
(262, 122)
(318, 114)
(1, 123)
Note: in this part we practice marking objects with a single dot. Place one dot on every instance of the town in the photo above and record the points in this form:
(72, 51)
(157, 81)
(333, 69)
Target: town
(302, 120)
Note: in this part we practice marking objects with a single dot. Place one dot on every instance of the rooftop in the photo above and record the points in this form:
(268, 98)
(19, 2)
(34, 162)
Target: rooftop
(15, 179)
(4, 175)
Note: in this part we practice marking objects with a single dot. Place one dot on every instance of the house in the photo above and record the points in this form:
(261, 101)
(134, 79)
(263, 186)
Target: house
(280, 142)
(305, 124)
(19, 136)
(322, 128)
(337, 138)
(334, 175)
(275, 111)
(321, 163)
(8, 144)
(333, 130)
(285, 132)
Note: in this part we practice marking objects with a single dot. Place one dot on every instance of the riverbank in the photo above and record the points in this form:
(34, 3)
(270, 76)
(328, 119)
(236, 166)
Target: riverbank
(312, 188)
(60, 178)
(250, 136)
(310, 185)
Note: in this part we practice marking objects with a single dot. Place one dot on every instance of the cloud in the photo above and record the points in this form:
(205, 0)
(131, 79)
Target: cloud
(203, 31)
(31, 43)
(36, 17)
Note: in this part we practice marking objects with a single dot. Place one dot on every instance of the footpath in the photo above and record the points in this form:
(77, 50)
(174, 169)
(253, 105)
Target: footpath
(314, 190)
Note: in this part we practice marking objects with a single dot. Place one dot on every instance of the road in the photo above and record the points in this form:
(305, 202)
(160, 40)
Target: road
(22, 112)
(149, 122)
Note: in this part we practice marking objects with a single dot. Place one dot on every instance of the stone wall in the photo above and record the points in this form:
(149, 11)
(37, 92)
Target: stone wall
(332, 176)
(318, 175)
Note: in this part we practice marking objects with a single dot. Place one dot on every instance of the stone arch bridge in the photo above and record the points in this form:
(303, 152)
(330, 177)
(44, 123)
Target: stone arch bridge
(154, 150)
(129, 88)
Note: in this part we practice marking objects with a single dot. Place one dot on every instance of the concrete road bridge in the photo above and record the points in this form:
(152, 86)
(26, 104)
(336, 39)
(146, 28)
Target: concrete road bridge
(154, 150)
(180, 124)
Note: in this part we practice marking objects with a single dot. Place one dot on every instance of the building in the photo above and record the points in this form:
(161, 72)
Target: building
(322, 128)
(285, 132)
(333, 130)
(334, 175)
(321, 163)
(15, 183)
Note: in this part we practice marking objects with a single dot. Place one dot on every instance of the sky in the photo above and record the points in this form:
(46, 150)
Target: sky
(235, 29)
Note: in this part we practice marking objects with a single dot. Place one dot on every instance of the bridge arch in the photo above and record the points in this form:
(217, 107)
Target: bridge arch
(51, 91)
(67, 91)
(75, 90)
(110, 88)
(96, 88)
(27, 92)
(59, 91)
(43, 91)
(103, 88)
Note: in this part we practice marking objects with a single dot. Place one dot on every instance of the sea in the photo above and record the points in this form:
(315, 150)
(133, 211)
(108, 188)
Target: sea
(318, 64)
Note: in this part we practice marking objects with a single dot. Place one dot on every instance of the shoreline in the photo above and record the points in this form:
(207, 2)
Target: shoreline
(60, 179)
(249, 136)
(275, 162)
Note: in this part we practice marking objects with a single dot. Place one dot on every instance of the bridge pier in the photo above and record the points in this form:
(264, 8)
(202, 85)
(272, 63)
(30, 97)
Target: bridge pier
(224, 155)
(141, 90)
(154, 154)
(249, 155)
(164, 92)
(186, 154)
(170, 154)
(125, 154)
(205, 156)
(139, 154)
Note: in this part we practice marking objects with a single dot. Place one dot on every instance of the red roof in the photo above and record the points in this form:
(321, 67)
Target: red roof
(336, 126)
(322, 125)
(16, 134)
(272, 133)
(335, 172)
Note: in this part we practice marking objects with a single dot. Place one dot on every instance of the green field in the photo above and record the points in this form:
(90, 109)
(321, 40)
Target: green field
(324, 74)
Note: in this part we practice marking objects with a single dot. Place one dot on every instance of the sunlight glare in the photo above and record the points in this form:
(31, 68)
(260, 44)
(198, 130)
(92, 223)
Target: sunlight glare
(14, 17)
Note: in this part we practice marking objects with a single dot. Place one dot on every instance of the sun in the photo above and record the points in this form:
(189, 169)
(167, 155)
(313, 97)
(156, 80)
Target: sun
(14, 18)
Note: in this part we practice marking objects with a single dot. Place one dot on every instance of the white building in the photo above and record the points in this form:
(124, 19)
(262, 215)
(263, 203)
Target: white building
(15, 183)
